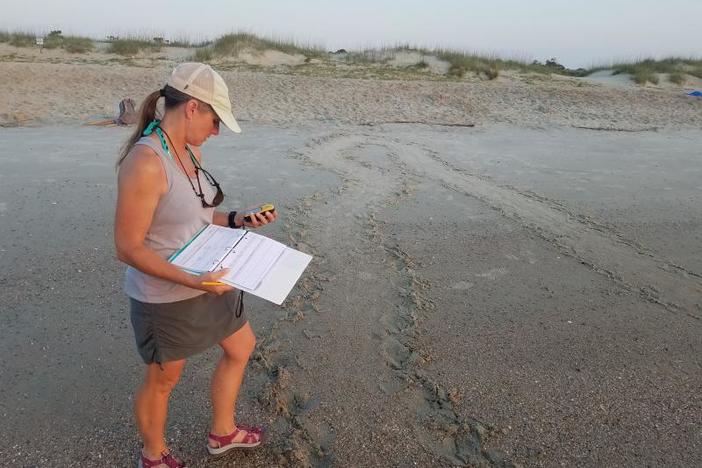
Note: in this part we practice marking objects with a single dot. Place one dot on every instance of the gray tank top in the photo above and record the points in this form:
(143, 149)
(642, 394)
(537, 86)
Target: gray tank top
(178, 216)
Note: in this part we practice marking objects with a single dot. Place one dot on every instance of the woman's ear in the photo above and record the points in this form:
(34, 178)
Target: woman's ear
(190, 109)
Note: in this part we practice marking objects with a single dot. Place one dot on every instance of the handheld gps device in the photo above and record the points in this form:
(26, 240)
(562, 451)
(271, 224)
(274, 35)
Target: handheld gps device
(263, 209)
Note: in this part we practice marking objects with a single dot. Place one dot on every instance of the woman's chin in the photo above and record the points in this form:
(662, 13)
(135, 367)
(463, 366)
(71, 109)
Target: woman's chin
(197, 142)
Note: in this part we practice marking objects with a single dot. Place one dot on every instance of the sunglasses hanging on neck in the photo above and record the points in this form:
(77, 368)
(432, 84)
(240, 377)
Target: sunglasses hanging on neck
(219, 196)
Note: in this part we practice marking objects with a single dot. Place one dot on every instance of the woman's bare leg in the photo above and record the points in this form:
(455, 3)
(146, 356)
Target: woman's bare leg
(151, 405)
(227, 378)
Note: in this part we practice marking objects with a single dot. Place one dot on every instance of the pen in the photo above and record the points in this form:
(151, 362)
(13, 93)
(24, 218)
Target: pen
(212, 283)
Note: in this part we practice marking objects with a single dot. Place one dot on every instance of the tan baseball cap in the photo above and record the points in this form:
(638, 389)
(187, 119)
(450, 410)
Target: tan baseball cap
(202, 82)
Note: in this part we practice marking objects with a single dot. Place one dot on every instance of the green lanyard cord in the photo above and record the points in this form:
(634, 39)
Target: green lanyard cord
(155, 126)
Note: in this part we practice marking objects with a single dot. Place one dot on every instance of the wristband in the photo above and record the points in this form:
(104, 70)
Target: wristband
(231, 222)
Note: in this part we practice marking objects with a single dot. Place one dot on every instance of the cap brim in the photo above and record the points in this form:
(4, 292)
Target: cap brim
(227, 119)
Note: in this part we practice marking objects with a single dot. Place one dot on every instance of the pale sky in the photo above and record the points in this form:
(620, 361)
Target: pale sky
(576, 32)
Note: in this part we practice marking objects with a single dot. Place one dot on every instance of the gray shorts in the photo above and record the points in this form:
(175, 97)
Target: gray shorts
(176, 330)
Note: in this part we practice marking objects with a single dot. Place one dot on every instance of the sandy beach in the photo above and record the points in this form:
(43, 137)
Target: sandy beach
(506, 272)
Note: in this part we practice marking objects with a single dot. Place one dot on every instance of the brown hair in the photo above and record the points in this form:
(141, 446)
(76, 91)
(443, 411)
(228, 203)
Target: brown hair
(147, 113)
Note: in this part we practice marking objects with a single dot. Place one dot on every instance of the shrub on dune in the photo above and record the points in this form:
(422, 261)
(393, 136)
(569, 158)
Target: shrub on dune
(77, 45)
(644, 75)
(129, 47)
(233, 44)
(22, 39)
(204, 54)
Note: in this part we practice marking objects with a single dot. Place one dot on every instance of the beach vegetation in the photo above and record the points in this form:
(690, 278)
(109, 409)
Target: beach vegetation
(458, 63)
(233, 44)
(399, 61)
(77, 44)
(457, 71)
(461, 63)
(204, 54)
(132, 46)
(491, 72)
(187, 42)
(23, 39)
(676, 77)
(647, 70)
(52, 40)
(150, 42)
(365, 56)
(73, 44)
(644, 75)
(552, 66)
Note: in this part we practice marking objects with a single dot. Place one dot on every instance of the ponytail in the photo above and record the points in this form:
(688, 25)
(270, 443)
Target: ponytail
(147, 113)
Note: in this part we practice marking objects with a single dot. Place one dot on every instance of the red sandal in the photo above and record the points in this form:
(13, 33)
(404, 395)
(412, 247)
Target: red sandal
(167, 460)
(252, 438)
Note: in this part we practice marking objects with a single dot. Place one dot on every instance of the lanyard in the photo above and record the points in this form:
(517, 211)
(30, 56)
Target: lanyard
(154, 126)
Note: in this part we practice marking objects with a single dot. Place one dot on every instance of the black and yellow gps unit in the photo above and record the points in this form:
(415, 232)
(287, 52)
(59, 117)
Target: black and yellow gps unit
(263, 209)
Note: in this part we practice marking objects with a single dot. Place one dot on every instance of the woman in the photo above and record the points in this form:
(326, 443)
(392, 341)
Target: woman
(164, 197)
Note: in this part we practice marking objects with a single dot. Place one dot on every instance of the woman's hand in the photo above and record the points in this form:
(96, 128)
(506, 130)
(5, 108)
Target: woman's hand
(210, 282)
(257, 219)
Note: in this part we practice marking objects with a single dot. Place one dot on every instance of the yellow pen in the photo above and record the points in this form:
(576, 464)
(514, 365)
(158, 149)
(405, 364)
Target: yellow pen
(212, 283)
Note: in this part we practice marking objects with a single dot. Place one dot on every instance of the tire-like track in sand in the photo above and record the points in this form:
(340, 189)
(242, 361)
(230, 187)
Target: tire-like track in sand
(315, 387)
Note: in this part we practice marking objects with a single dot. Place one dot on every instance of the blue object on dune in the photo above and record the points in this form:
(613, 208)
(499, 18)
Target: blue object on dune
(695, 93)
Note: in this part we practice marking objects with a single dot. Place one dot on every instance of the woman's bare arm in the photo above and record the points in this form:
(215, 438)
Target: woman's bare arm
(141, 182)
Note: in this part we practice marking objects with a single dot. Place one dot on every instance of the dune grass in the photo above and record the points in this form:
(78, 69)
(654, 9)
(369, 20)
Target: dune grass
(204, 54)
(677, 78)
(22, 39)
(232, 44)
(375, 62)
(52, 40)
(644, 75)
(367, 56)
(187, 42)
(72, 44)
(646, 70)
(77, 44)
(130, 46)
(461, 63)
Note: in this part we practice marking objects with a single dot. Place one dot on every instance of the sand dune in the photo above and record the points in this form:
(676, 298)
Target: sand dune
(41, 92)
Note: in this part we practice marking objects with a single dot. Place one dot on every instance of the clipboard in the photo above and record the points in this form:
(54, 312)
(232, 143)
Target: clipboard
(259, 265)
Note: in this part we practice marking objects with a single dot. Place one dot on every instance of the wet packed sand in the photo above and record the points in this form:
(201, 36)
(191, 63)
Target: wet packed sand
(479, 296)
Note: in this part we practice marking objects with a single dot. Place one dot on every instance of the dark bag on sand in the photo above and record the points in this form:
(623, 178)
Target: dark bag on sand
(127, 112)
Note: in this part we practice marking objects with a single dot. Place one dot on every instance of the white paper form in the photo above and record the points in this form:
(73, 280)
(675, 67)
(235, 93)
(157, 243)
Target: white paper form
(251, 260)
(259, 265)
(207, 249)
